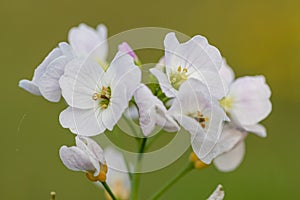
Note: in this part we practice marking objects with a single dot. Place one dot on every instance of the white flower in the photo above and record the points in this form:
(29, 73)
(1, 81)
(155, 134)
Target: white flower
(83, 41)
(117, 175)
(97, 98)
(218, 194)
(201, 116)
(47, 74)
(152, 112)
(86, 156)
(247, 103)
(248, 100)
(192, 59)
(87, 41)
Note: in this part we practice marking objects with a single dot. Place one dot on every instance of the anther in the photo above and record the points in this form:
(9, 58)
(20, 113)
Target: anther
(179, 69)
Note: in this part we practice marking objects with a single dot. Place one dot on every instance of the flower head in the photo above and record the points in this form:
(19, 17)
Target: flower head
(193, 59)
(152, 112)
(84, 41)
(97, 98)
(86, 156)
(200, 115)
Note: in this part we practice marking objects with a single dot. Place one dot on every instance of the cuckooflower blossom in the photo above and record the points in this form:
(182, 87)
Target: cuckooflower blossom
(45, 79)
(84, 41)
(86, 156)
(200, 114)
(97, 98)
(152, 112)
(248, 99)
(192, 59)
(218, 194)
(117, 175)
(247, 103)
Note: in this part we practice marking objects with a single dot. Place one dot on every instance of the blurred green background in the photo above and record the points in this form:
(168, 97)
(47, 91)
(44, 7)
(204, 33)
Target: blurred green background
(256, 37)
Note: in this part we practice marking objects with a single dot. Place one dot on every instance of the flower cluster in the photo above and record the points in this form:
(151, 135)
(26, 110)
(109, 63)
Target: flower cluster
(195, 91)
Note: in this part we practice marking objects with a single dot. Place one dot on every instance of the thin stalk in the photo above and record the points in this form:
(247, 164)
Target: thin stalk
(187, 169)
(107, 188)
(136, 176)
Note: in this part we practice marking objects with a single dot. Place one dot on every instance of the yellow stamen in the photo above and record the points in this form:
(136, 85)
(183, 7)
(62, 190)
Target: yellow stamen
(179, 69)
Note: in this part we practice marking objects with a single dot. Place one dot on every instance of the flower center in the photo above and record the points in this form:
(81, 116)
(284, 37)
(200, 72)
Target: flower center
(200, 118)
(226, 103)
(178, 77)
(103, 97)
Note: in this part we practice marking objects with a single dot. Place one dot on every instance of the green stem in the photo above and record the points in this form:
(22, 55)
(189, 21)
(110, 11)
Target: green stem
(152, 140)
(107, 188)
(187, 169)
(142, 148)
(136, 176)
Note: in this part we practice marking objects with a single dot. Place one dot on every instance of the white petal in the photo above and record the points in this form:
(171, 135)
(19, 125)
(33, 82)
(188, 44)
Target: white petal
(102, 31)
(66, 49)
(152, 112)
(49, 82)
(170, 43)
(29, 86)
(81, 80)
(231, 160)
(257, 129)
(226, 73)
(85, 122)
(146, 105)
(85, 41)
(251, 100)
(218, 194)
(132, 112)
(41, 69)
(112, 114)
(230, 137)
(192, 96)
(75, 159)
(33, 86)
(164, 83)
(204, 147)
(93, 147)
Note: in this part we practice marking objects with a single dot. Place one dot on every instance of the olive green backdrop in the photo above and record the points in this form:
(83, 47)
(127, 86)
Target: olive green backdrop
(256, 37)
